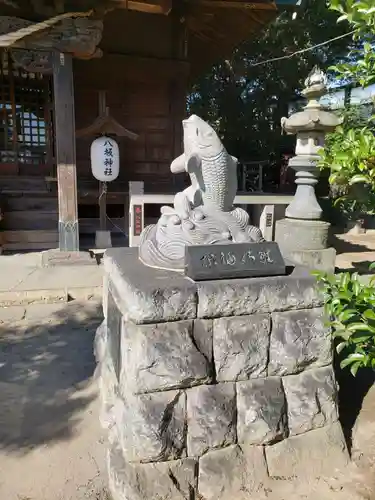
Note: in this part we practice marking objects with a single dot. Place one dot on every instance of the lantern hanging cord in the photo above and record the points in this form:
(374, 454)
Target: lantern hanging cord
(302, 51)
(117, 227)
(103, 192)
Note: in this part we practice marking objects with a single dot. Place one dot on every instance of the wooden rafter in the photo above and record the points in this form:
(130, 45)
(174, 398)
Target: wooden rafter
(149, 6)
(233, 4)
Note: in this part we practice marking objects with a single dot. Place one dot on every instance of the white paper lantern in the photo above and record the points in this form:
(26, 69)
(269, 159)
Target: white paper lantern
(105, 159)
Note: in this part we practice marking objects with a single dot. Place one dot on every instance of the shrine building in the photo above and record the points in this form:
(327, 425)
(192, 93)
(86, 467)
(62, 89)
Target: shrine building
(71, 70)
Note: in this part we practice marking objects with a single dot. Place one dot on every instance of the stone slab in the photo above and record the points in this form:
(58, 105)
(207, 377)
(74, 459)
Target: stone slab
(146, 295)
(261, 407)
(28, 297)
(312, 399)
(317, 453)
(236, 260)
(258, 295)
(299, 339)
(211, 414)
(173, 480)
(15, 313)
(88, 313)
(240, 346)
(152, 427)
(161, 357)
(232, 473)
(69, 277)
(56, 257)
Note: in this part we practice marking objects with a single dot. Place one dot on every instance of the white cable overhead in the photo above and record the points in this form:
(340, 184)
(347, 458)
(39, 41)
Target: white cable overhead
(289, 56)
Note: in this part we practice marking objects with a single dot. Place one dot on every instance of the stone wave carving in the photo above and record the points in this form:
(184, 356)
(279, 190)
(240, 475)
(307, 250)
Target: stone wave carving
(203, 214)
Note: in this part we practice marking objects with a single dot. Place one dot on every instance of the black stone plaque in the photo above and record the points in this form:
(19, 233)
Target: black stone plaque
(114, 334)
(233, 260)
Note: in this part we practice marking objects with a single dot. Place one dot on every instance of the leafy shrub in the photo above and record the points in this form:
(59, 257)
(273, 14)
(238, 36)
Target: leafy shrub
(351, 157)
(350, 309)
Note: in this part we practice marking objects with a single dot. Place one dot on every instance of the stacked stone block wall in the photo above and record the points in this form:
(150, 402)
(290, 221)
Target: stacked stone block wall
(211, 391)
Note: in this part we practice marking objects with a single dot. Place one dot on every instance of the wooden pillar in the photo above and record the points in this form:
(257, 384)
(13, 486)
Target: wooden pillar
(178, 86)
(65, 152)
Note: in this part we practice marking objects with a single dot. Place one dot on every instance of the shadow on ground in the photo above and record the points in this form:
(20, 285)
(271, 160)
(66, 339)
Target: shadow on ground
(352, 392)
(360, 267)
(344, 246)
(46, 365)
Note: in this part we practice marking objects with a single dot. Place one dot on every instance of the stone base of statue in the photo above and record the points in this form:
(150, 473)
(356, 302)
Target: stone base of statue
(163, 245)
(305, 242)
(218, 390)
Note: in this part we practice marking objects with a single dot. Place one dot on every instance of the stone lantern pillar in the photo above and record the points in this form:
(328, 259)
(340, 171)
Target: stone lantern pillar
(302, 235)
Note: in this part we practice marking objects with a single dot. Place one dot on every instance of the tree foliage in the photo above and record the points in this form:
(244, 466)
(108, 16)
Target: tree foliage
(350, 151)
(246, 99)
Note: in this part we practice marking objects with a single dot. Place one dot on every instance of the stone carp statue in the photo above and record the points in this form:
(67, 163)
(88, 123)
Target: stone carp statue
(203, 214)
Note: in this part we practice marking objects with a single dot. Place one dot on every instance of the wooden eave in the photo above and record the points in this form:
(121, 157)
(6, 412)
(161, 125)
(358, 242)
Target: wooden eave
(214, 27)
(39, 9)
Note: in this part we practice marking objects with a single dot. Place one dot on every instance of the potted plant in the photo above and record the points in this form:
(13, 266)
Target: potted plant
(353, 214)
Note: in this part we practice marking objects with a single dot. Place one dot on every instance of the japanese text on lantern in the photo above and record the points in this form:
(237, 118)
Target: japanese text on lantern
(108, 158)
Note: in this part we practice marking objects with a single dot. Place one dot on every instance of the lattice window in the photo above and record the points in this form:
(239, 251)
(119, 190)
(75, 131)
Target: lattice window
(26, 135)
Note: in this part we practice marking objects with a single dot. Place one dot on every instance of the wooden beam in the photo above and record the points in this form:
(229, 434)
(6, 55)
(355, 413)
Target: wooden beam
(234, 4)
(149, 6)
(94, 74)
(104, 124)
(65, 152)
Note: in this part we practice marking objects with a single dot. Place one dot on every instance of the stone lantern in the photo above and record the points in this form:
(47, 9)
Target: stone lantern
(302, 235)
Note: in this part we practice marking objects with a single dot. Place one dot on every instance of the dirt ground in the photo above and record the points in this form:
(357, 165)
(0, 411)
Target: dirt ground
(51, 444)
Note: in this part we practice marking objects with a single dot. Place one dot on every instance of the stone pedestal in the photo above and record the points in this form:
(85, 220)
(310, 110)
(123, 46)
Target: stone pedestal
(304, 205)
(305, 242)
(103, 239)
(213, 390)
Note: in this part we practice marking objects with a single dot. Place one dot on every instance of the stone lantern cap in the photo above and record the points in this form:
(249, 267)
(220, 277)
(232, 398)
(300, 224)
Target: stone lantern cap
(314, 117)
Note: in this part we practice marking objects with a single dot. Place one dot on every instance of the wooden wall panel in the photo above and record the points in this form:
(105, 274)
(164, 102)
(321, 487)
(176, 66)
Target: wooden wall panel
(133, 32)
(148, 108)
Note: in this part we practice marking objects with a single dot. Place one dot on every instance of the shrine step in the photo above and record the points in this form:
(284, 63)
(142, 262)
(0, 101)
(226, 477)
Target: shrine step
(30, 220)
(30, 240)
(25, 203)
(21, 183)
